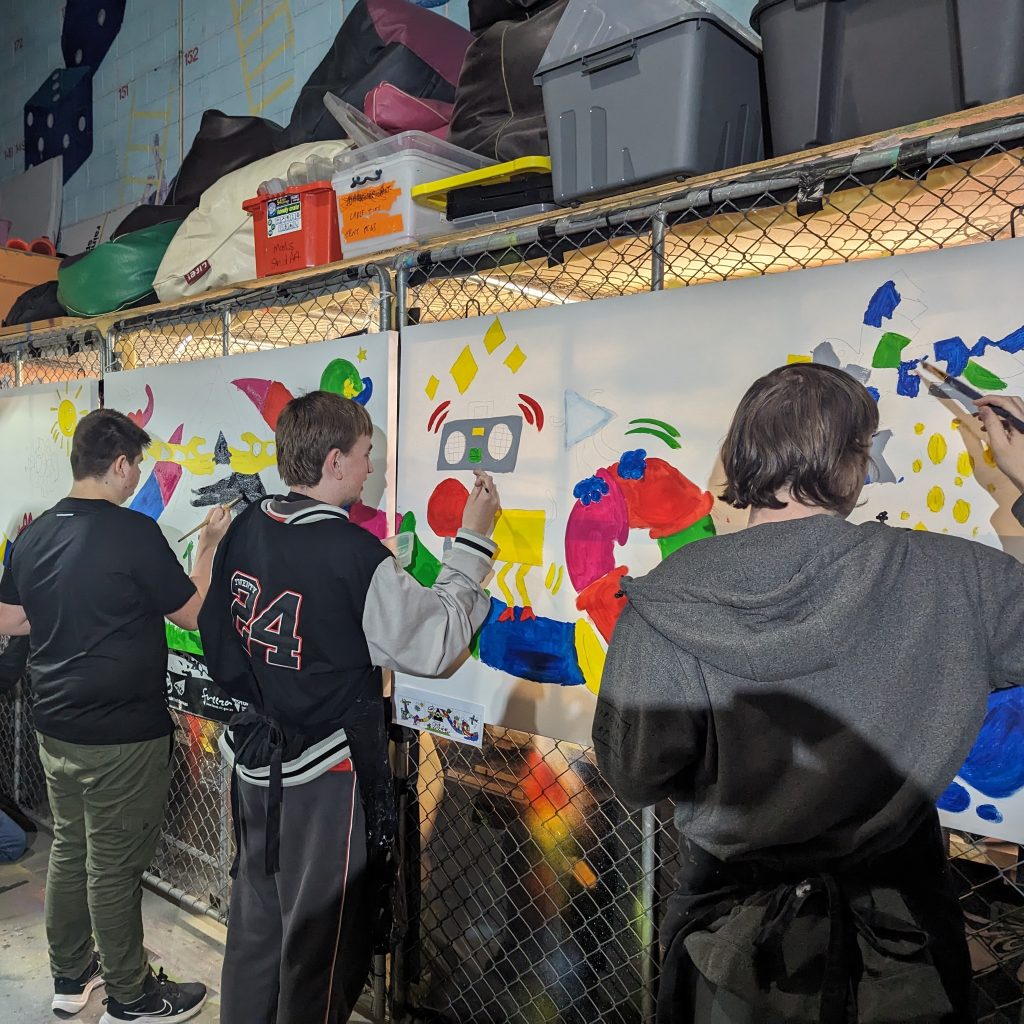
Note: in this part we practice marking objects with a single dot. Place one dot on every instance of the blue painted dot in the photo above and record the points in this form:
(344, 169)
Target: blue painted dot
(989, 812)
(955, 799)
(873, 392)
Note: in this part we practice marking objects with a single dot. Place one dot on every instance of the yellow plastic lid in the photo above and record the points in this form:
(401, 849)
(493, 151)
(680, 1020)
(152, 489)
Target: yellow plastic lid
(435, 193)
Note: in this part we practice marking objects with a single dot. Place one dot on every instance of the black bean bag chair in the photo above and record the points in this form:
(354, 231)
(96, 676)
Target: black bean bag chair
(485, 13)
(393, 41)
(222, 144)
(37, 303)
(147, 216)
(499, 112)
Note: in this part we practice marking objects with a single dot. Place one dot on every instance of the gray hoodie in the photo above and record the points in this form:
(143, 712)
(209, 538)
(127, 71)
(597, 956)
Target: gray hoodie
(805, 686)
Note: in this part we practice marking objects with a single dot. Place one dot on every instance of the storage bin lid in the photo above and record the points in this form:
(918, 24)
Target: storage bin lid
(589, 27)
(410, 142)
(762, 5)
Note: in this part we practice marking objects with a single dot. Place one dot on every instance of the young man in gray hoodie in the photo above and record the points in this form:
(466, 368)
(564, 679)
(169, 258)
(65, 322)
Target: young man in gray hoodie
(804, 691)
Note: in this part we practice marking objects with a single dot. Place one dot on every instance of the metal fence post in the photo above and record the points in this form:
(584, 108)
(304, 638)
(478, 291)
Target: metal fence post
(225, 341)
(107, 351)
(405, 957)
(18, 368)
(648, 868)
(385, 315)
(658, 252)
(18, 708)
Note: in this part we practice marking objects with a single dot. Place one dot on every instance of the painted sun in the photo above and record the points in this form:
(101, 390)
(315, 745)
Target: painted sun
(66, 415)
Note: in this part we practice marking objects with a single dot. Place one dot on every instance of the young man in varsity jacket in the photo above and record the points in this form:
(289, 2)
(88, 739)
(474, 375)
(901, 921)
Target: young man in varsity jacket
(304, 610)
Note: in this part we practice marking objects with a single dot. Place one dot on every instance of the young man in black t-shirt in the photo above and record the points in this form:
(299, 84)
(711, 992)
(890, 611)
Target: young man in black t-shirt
(305, 608)
(91, 583)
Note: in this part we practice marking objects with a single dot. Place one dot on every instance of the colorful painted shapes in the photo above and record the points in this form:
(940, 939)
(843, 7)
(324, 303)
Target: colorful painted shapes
(603, 601)
(656, 428)
(583, 418)
(889, 351)
(540, 649)
(424, 567)
(592, 532)
(663, 501)
(159, 488)
(269, 397)
(445, 507)
(142, 416)
(882, 305)
(373, 520)
(995, 766)
(519, 534)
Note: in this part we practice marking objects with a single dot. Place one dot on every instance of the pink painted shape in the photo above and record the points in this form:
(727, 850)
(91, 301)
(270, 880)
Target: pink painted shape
(168, 474)
(373, 520)
(143, 416)
(592, 533)
(255, 388)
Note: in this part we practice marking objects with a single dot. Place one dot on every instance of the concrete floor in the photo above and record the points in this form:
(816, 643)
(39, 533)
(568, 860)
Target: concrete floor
(188, 947)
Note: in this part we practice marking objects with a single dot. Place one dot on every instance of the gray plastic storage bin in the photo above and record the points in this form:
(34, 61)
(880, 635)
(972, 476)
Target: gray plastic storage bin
(646, 91)
(839, 69)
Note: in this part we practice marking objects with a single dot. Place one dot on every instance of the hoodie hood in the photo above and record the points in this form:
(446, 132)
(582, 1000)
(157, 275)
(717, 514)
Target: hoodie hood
(774, 601)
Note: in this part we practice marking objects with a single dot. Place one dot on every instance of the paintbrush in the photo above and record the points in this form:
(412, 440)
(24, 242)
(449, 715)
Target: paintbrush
(966, 389)
(227, 508)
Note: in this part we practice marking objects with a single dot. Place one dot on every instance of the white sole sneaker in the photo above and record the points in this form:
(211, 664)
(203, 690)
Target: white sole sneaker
(161, 1018)
(65, 1006)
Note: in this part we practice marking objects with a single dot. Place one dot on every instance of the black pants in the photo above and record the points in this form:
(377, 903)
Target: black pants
(918, 867)
(298, 949)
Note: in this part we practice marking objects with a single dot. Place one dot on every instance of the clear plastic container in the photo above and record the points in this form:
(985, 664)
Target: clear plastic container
(374, 188)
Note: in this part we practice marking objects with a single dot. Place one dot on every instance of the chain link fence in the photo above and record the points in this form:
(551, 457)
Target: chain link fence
(530, 893)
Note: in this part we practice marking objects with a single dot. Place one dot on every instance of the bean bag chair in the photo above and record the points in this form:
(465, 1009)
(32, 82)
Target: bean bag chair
(397, 111)
(115, 275)
(37, 303)
(417, 51)
(485, 13)
(222, 144)
(146, 216)
(215, 246)
(499, 112)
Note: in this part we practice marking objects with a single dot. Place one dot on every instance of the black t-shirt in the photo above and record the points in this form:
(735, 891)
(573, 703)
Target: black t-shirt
(96, 581)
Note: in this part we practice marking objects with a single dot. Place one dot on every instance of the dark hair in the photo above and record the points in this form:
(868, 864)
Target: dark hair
(311, 426)
(101, 437)
(806, 427)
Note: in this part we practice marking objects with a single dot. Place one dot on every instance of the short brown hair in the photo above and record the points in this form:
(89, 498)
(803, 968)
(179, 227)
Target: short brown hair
(311, 426)
(805, 427)
(101, 437)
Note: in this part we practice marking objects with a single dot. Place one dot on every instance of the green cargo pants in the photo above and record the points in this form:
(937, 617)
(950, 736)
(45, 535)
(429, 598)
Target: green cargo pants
(107, 804)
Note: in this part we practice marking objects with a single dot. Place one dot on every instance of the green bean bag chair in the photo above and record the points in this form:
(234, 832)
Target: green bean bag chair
(116, 274)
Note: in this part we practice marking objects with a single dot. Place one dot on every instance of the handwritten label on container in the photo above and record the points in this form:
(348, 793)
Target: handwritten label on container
(366, 213)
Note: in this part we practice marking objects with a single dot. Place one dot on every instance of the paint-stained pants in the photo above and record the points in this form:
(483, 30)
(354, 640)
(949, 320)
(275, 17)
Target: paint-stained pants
(298, 946)
(107, 804)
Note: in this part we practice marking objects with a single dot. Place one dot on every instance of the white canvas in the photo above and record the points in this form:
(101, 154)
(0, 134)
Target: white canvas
(213, 439)
(36, 427)
(663, 373)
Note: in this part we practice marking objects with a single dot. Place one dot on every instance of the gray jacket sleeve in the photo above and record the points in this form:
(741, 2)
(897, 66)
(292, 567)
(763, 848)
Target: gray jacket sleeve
(652, 717)
(424, 630)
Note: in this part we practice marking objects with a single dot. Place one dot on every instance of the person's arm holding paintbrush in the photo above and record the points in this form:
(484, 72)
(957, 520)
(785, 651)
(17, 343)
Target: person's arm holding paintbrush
(1006, 441)
(214, 527)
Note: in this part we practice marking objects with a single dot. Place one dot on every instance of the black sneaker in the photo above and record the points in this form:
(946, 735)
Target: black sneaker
(161, 1000)
(71, 994)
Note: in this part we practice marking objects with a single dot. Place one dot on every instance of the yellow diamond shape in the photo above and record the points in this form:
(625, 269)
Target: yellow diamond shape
(515, 359)
(464, 370)
(494, 337)
(432, 385)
